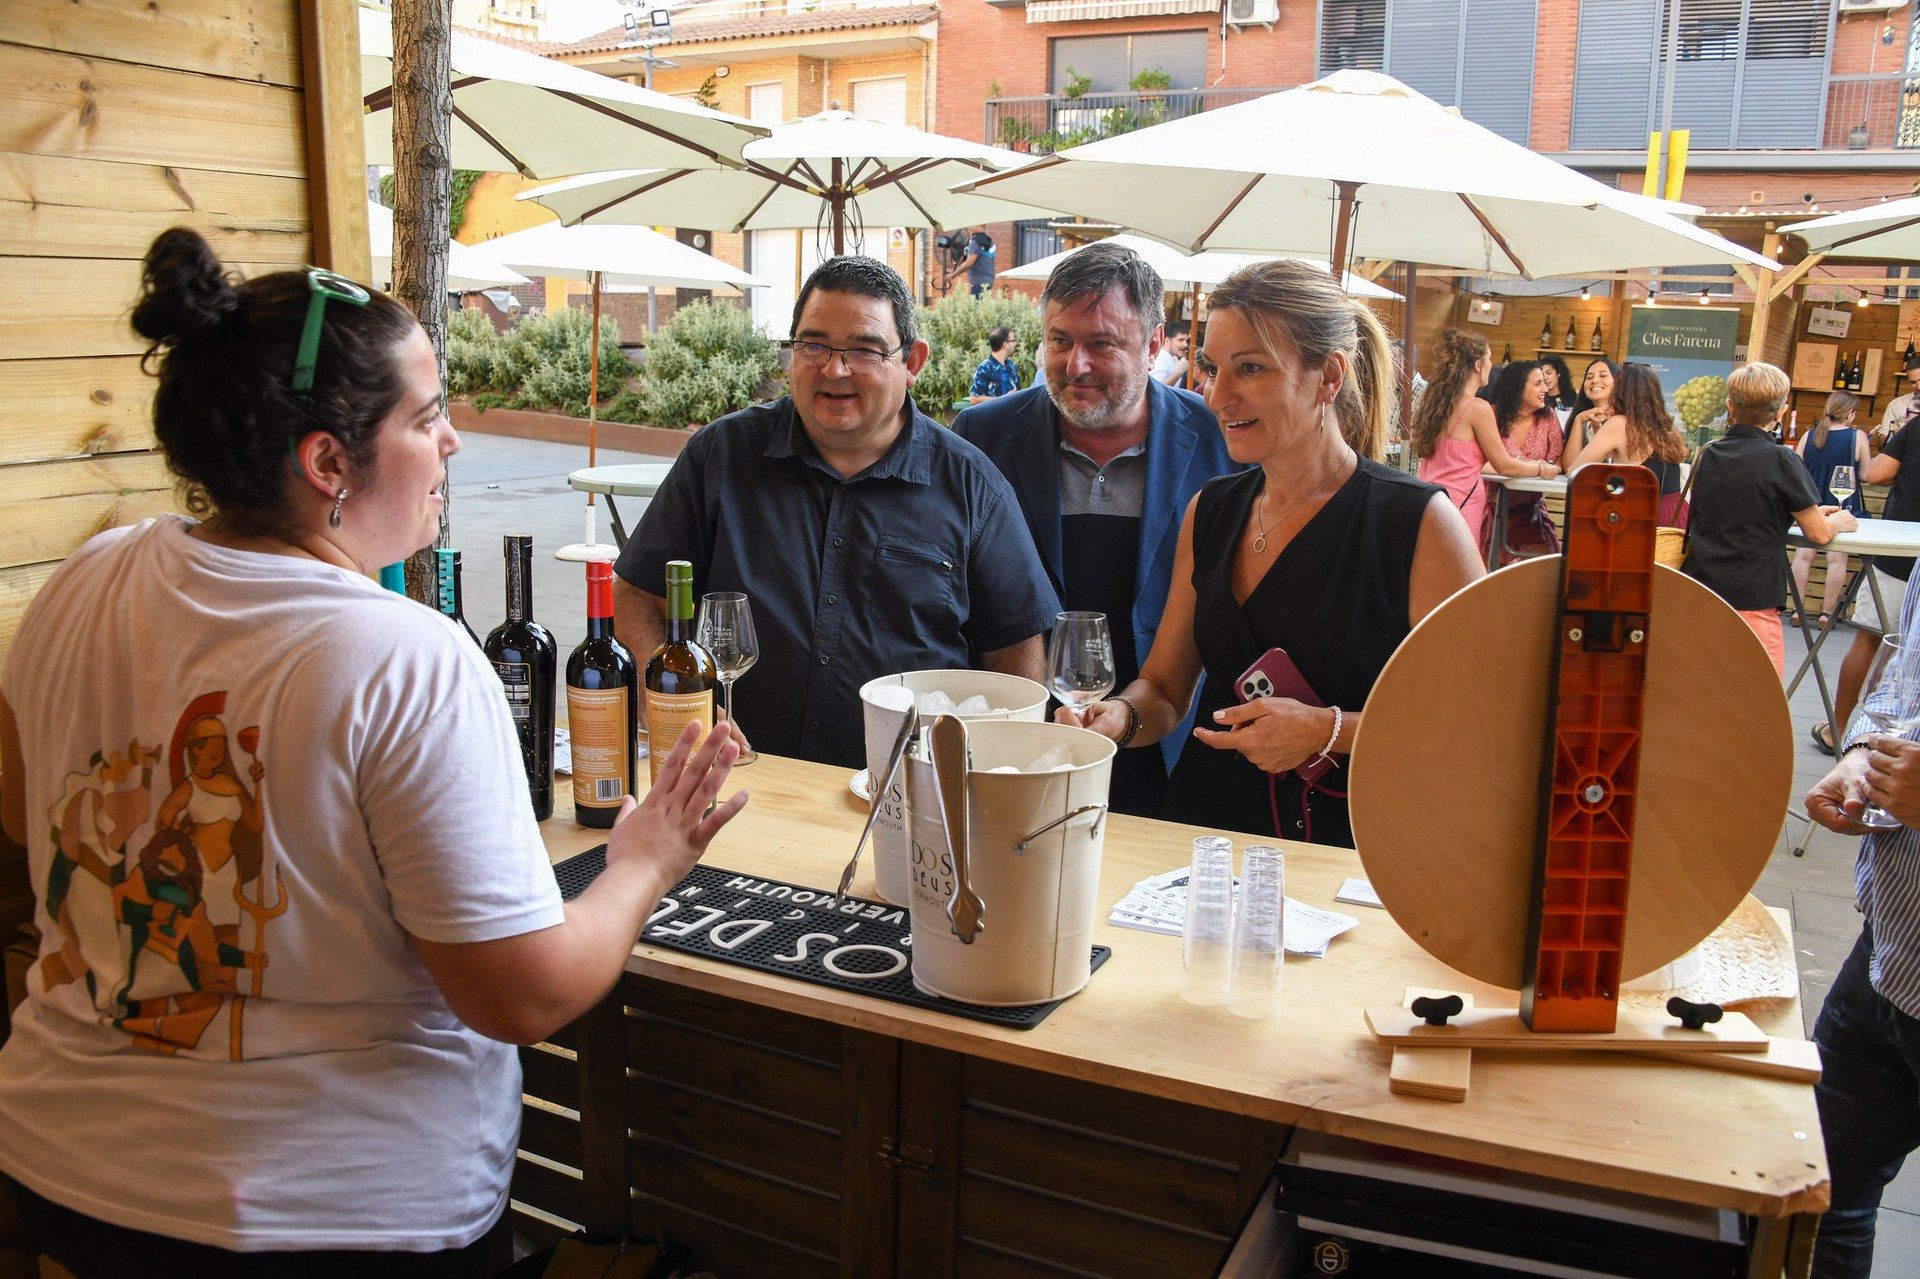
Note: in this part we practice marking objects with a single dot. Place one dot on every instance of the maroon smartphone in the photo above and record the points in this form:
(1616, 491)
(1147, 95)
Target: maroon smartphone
(1275, 675)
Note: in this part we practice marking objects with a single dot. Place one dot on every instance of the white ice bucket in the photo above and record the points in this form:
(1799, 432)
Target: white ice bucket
(1033, 860)
(1010, 696)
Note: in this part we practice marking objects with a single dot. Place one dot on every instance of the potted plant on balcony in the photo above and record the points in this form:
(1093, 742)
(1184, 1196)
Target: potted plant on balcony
(1016, 134)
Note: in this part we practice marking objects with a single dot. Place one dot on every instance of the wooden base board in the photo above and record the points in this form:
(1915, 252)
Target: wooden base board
(1797, 1060)
(1439, 1073)
(1502, 1028)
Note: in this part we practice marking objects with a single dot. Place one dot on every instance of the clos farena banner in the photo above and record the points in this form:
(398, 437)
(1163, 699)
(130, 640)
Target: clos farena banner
(1692, 349)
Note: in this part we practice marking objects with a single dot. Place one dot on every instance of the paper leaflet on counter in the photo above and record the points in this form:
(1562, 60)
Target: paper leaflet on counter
(1158, 904)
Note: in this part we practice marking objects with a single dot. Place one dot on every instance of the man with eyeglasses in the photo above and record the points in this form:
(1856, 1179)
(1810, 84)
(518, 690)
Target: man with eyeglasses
(869, 539)
(1104, 460)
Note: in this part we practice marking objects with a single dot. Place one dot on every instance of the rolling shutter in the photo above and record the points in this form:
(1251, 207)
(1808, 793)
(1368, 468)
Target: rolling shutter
(1613, 73)
(1496, 80)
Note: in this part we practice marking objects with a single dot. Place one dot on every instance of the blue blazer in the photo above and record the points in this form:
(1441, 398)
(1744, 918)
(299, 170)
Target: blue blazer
(1184, 450)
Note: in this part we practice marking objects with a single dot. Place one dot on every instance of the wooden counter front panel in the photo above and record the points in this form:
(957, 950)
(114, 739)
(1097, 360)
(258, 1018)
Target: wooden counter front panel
(774, 1144)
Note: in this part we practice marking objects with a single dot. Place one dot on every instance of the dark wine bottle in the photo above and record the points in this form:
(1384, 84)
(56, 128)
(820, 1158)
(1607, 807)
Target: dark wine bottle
(446, 569)
(602, 691)
(1573, 338)
(1546, 334)
(1856, 372)
(1596, 341)
(1506, 354)
(681, 674)
(526, 659)
(1840, 371)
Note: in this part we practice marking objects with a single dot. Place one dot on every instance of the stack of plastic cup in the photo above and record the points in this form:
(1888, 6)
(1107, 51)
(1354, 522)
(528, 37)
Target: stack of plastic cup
(1259, 933)
(1207, 935)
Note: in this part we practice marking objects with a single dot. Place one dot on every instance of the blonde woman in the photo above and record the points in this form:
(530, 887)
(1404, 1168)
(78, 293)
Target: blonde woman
(1317, 550)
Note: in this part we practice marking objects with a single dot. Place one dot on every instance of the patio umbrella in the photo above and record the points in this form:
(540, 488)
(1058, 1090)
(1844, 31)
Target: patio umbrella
(833, 170)
(467, 270)
(1884, 232)
(517, 113)
(602, 255)
(1362, 163)
(1191, 270)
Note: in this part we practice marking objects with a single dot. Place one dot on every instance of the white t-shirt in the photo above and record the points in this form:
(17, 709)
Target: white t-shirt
(1167, 366)
(248, 778)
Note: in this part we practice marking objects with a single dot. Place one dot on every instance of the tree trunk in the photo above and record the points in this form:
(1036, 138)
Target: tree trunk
(423, 194)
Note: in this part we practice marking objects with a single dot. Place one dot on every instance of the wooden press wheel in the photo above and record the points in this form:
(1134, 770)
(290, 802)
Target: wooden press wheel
(1445, 779)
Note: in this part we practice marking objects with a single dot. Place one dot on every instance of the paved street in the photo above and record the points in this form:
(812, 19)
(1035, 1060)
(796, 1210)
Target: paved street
(503, 485)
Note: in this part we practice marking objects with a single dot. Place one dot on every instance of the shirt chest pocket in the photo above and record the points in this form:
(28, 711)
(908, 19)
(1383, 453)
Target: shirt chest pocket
(915, 591)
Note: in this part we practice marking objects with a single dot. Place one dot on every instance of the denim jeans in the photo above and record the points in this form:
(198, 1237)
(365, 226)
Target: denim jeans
(1869, 1099)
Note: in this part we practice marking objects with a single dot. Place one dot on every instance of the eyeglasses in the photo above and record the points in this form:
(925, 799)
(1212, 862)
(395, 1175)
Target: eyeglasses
(323, 285)
(861, 359)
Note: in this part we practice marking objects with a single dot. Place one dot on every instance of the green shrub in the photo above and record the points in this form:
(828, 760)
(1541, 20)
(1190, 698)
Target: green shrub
(546, 361)
(956, 327)
(474, 354)
(707, 361)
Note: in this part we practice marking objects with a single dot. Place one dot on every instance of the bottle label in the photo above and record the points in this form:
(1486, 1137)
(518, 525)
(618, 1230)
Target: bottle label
(602, 765)
(517, 679)
(668, 715)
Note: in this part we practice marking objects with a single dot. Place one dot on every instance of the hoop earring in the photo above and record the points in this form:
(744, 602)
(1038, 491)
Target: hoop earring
(333, 520)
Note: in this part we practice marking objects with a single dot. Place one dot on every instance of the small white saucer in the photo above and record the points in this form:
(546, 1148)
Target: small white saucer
(862, 786)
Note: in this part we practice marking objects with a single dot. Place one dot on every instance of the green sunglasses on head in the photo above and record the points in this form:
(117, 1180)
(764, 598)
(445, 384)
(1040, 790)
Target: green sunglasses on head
(322, 285)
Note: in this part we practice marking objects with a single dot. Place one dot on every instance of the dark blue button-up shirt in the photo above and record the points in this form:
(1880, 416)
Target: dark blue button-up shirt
(922, 561)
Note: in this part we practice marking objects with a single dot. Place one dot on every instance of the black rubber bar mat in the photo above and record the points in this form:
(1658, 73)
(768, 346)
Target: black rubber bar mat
(856, 945)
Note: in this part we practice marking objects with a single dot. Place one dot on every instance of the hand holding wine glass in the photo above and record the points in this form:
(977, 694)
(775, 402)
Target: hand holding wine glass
(1080, 660)
(1891, 704)
(726, 631)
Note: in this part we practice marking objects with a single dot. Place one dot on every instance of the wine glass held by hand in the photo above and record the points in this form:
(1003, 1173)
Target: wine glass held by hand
(1080, 661)
(1892, 705)
(726, 631)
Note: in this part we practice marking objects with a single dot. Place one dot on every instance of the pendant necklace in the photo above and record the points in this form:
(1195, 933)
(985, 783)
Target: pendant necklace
(1260, 542)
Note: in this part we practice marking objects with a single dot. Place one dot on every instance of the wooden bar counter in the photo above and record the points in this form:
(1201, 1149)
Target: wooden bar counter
(783, 1128)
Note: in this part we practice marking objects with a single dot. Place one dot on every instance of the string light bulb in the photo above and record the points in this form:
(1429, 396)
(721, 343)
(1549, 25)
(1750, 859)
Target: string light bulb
(1586, 293)
(1703, 299)
(1863, 299)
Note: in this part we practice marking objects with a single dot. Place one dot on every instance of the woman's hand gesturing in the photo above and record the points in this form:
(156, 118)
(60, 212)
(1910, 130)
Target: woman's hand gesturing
(1276, 734)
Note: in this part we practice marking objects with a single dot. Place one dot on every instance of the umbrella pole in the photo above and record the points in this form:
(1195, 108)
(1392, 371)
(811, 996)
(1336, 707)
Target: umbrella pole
(1193, 335)
(839, 205)
(593, 381)
(1409, 355)
(1343, 227)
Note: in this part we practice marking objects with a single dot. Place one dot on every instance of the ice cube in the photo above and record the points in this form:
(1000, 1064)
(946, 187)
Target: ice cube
(893, 697)
(934, 703)
(975, 705)
(1052, 760)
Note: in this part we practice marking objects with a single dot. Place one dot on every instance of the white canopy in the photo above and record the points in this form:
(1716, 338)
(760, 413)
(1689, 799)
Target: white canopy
(1185, 271)
(1429, 187)
(1888, 232)
(630, 255)
(828, 169)
(517, 113)
(467, 270)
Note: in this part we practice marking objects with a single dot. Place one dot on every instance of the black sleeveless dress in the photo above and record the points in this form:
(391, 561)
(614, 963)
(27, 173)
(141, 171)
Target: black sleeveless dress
(1335, 599)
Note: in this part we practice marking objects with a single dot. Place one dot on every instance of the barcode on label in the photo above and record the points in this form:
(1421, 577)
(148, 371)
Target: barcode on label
(521, 712)
(606, 788)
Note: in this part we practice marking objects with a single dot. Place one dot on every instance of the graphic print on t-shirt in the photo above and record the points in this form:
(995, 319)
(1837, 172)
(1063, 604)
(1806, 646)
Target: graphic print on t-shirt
(151, 905)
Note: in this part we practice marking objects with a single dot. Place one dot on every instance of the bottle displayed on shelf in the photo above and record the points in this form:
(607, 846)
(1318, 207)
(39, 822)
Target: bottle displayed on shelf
(1546, 334)
(526, 659)
(1907, 358)
(1596, 342)
(1840, 371)
(1573, 337)
(1506, 353)
(1793, 428)
(681, 674)
(602, 692)
(446, 581)
(1856, 372)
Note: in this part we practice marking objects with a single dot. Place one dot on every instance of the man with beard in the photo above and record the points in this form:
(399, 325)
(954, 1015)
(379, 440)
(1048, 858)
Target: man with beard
(1104, 460)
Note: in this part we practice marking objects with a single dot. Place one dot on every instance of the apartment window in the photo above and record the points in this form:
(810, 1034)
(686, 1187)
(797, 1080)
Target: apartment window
(1353, 35)
(884, 100)
(764, 104)
(1111, 62)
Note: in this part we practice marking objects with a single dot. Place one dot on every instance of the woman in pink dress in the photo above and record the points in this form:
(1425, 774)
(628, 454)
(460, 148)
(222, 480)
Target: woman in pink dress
(1454, 432)
(1532, 432)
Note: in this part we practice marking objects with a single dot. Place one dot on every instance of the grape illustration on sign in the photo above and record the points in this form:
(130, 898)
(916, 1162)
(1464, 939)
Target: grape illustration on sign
(1691, 350)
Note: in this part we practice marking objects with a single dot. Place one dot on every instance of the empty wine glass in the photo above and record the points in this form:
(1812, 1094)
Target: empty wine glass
(1080, 660)
(726, 631)
(1842, 484)
(1891, 704)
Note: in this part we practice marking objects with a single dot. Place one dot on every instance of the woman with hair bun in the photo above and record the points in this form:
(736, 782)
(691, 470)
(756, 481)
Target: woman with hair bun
(1316, 559)
(292, 914)
(1456, 434)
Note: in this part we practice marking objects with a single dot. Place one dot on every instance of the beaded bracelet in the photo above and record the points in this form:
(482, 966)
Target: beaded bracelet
(1338, 720)
(1133, 719)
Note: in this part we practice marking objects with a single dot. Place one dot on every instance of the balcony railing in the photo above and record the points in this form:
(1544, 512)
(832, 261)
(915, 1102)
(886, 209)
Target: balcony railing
(1044, 123)
(1872, 113)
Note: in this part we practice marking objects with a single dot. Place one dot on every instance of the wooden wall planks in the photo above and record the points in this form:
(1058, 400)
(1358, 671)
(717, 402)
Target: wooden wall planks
(235, 39)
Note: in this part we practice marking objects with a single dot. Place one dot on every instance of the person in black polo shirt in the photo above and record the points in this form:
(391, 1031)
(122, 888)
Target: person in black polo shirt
(869, 539)
(1747, 492)
(1104, 460)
